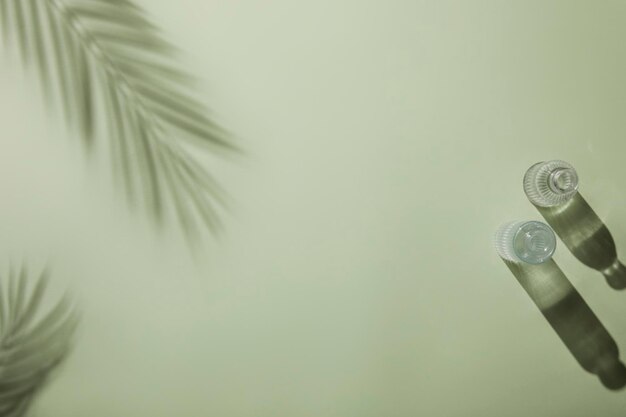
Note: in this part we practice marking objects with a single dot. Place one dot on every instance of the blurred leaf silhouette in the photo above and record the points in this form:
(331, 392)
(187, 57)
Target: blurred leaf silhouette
(32, 345)
(106, 63)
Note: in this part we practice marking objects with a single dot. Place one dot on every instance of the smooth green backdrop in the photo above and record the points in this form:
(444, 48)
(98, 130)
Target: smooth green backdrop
(386, 141)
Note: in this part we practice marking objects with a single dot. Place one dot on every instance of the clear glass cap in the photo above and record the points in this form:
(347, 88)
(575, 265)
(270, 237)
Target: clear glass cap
(551, 183)
(527, 241)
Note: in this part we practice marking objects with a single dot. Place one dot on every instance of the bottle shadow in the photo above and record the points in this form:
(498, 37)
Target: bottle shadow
(587, 238)
(572, 319)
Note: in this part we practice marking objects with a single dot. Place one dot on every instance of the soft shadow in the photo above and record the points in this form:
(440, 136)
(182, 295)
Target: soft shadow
(587, 237)
(573, 321)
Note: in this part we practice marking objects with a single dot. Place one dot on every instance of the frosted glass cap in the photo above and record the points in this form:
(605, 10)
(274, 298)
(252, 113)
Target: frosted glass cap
(525, 241)
(551, 183)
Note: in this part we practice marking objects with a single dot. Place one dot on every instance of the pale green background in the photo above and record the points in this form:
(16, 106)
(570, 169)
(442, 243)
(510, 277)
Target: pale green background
(386, 140)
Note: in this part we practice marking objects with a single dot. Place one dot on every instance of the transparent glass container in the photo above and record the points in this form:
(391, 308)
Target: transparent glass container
(551, 183)
(530, 242)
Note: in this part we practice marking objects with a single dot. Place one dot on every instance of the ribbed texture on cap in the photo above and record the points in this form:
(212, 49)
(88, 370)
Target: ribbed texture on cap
(537, 184)
(503, 240)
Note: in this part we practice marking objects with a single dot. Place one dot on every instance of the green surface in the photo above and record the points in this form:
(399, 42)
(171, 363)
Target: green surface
(386, 141)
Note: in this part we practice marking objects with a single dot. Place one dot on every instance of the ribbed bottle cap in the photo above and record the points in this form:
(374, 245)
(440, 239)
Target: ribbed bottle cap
(551, 183)
(525, 241)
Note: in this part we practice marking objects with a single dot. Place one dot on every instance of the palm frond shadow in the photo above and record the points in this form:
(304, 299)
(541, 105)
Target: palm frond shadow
(106, 63)
(32, 344)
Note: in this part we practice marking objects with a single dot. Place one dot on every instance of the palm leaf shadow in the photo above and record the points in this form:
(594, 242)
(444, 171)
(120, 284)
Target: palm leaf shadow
(106, 63)
(32, 344)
